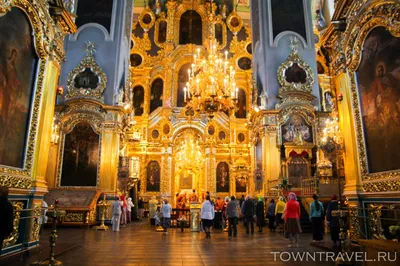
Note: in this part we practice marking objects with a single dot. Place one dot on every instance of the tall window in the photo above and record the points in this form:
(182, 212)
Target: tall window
(94, 11)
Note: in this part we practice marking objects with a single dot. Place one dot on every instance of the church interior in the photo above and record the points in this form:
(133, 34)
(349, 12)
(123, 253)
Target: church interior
(180, 100)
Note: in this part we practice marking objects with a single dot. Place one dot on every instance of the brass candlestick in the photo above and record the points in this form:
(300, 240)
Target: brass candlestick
(54, 213)
(103, 207)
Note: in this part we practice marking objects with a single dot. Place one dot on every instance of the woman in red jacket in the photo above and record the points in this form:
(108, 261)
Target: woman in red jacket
(292, 219)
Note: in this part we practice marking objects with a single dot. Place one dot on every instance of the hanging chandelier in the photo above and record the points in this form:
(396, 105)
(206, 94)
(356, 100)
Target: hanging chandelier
(188, 155)
(211, 85)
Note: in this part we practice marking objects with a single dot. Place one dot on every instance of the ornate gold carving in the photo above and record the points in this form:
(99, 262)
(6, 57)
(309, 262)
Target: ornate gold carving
(218, 20)
(73, 217)
(36, 222)
(234, 22)
(5, 6)
(379, 14)
(354, 222)
(382, 185)
(12, 239)
(87, 62)
(147, 19)
(293, 92)
(15, 181)
(306, 113)
(375, 213)
(93, 113)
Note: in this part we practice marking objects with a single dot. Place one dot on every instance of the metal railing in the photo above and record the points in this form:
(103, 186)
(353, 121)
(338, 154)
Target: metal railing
(309, 186)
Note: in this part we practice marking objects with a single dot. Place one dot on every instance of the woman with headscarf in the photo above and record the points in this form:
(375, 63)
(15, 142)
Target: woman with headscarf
(333, 220)
(129, 206)
(317, 219)
(224, 217)
(292, 220)
(279, 208)
(207, 216)
(271, 215)
(260, 214)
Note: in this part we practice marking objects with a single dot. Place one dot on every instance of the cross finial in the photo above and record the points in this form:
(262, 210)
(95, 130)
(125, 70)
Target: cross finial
(90, 48)
(294, 44)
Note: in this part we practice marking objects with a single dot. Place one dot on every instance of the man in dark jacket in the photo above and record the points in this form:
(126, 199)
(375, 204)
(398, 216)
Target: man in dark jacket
(248, 212)
(333, 220)
(6, 215)
(233, 215)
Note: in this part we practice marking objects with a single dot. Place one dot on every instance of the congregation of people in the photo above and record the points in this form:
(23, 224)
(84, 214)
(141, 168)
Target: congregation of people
(282, 216)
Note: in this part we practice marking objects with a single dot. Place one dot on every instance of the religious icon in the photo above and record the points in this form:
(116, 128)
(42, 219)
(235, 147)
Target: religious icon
(297, 130)
(379, 91)
(219, 33)
(166, 129)
(222, 135)
(80, 158)
(86, 79)
(153, 177)
(244, 63)
(241, 183)
(190, 27)
(162, 32)
(249, 48)
(156, 94)
(138, 100)
(241, 109)
(211, 130)
(136, 60)
(18, 62)
(223, 177)
(241, 137)
(258, 179)
(296, 74)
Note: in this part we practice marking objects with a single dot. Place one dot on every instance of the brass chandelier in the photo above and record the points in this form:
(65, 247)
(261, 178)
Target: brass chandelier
(189, 154)
(211, 85)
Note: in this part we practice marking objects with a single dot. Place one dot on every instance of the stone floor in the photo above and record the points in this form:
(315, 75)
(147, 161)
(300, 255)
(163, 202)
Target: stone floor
(139, 244)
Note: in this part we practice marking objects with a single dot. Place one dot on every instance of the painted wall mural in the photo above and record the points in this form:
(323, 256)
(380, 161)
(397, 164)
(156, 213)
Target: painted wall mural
(378, 78)
(223, 177)
(18, 62)
(81, 156)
